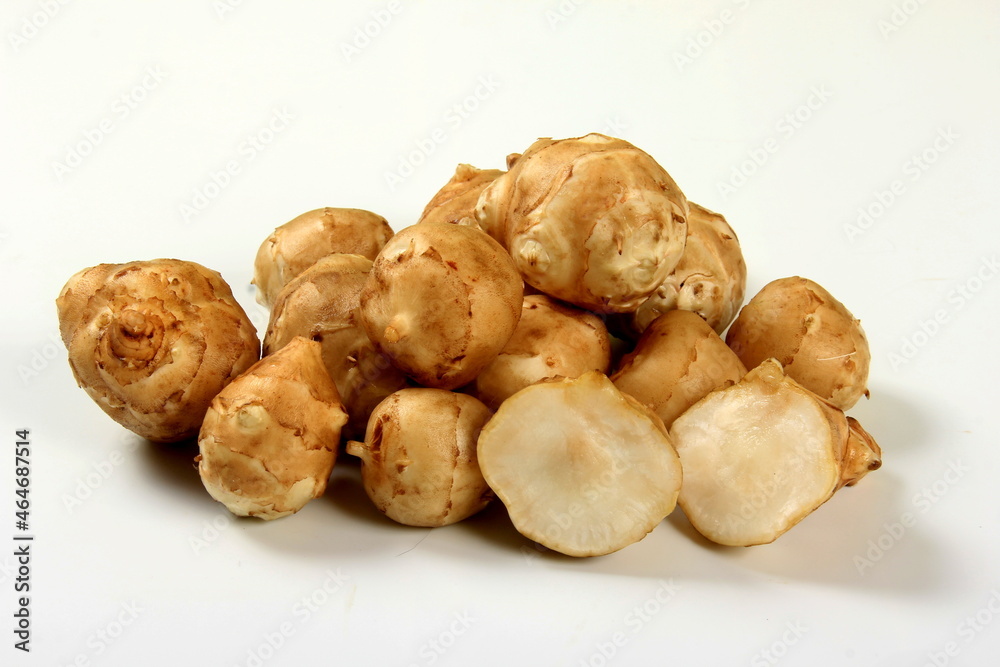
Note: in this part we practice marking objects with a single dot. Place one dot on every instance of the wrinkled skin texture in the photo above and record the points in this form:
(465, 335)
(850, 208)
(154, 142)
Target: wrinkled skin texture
(593, 221)
(455, 203)
(270, 438)
(678, 360)
(441, 301)
(152, 342)
(418, 460)
(298, 244)
(551, 340)
(761, 455)
(322, 304)
(818, 341)
(709, 280)
(582, 468)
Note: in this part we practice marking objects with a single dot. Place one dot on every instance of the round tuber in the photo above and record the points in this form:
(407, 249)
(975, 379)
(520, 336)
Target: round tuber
(418, 460)
(592, 220)
(296, 245)
(441, 301)
(552, 339)
(709, 280)
(152, 342)
(677, 361)
(818, 341)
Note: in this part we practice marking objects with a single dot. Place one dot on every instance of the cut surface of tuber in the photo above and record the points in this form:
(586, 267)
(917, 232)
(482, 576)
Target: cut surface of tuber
(582, 468)
(761, 455)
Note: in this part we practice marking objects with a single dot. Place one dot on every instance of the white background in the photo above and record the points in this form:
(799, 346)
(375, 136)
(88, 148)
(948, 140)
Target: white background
(836, 101)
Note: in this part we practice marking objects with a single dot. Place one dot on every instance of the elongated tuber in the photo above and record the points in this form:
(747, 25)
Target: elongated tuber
(152, 342)
(321, 303)
(270, 438)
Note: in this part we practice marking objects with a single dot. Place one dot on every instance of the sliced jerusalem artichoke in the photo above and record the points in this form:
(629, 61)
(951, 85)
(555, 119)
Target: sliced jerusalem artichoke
(552, 339)
(582, 468)
(270, 438)
(441, 301)
(592, 220)
(418, 460)
(321, 303)
(296, 245)
(152, 342)
(761, 455)
(455, 203)
(820, 344)
(709, 280)
(677, 361)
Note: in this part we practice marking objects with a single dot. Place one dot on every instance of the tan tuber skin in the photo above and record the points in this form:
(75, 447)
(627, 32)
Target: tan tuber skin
(709, 280)
(441, 301)
(818, 341)
(152, 342)
(455, 203)
(270, 438)
(678, 360)
(593, 220)
(298, 244)
(321, 303)
(552, 339)
(418, 460)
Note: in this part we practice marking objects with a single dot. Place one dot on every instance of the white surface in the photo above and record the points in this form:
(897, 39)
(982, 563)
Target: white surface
(478, 587)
